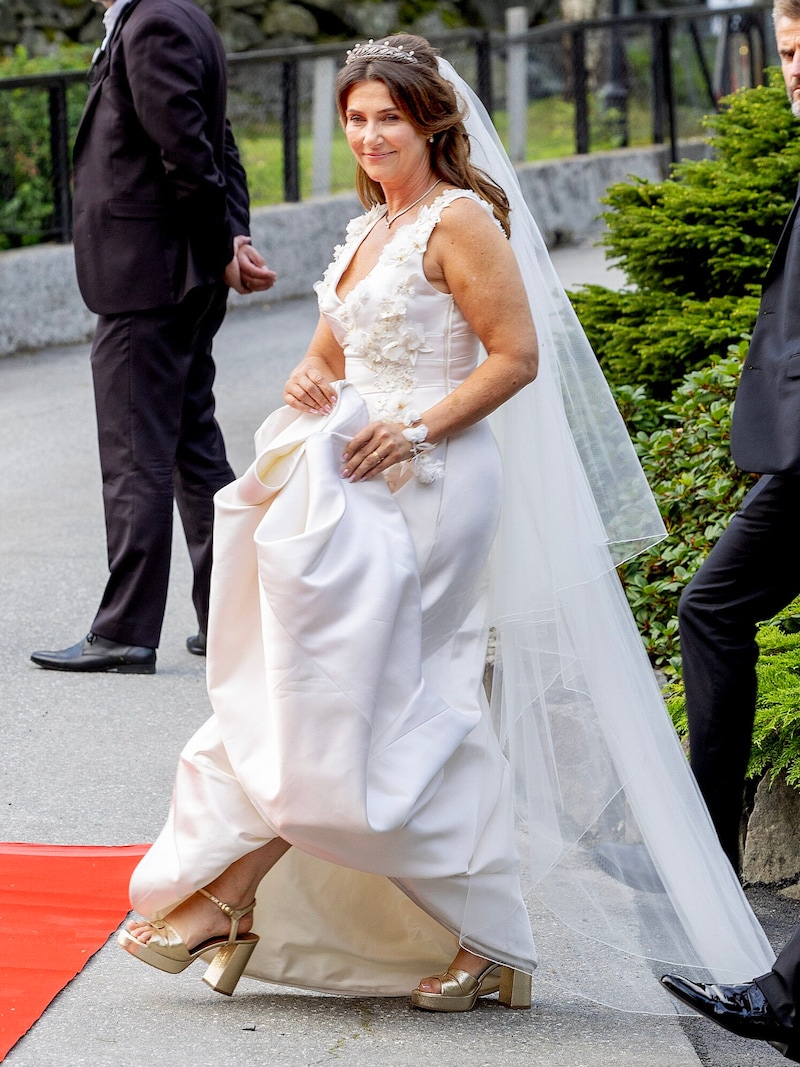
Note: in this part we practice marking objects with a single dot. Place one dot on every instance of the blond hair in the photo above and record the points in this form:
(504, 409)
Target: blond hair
(789, 9)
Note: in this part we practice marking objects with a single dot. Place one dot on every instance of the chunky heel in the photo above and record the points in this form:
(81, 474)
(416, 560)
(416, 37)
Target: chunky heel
(515, 988)
(167, 950)
(459, 990)
(229, 963)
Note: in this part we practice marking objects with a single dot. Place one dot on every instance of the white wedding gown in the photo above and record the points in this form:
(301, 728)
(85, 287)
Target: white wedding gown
(346, 653)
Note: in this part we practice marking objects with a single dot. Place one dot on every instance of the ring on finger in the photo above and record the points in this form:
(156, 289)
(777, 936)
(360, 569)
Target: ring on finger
(377, 458)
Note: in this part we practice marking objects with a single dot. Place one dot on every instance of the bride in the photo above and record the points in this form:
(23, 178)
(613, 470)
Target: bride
(353, 779)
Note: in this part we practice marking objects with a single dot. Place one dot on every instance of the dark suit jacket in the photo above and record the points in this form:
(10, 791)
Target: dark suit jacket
(159, 188)
(765, 432)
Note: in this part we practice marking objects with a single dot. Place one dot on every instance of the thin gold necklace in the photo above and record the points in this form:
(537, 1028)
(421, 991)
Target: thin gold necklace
(405, 209)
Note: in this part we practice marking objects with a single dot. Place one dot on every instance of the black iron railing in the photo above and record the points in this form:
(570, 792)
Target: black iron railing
(672, 65)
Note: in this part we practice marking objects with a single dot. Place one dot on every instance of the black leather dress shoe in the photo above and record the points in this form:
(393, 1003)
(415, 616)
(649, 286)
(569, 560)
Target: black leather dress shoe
(742, 1009)
(197, 644)
(95, 654)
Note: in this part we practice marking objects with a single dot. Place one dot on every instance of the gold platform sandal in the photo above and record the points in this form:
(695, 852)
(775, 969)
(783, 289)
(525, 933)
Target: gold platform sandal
(167, 950)
(460, 989)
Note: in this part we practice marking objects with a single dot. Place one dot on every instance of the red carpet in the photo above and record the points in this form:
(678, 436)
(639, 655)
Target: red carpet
(58, 906)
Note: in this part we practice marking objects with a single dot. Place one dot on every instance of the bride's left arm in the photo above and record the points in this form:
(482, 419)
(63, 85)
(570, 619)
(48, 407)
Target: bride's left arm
(469, 256)
(477, 265)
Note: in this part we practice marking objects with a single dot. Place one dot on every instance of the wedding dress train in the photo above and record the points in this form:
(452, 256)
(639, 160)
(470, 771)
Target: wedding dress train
(346, 653)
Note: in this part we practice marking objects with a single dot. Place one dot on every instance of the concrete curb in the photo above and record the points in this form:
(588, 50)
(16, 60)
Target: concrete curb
(297, 239)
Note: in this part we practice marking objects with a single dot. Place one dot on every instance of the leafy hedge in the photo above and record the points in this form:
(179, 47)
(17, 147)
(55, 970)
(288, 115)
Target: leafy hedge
(683, 446)
(687, 461)
(26, 199)
(694, 249)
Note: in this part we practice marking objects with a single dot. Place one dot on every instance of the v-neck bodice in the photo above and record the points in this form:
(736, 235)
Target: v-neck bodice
(405, 342)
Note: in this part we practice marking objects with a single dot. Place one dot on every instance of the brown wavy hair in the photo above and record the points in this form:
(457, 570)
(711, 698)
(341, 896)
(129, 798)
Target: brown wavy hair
(430, 104)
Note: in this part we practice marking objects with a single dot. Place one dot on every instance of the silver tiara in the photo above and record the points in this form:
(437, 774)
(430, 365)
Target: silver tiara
(370, 50)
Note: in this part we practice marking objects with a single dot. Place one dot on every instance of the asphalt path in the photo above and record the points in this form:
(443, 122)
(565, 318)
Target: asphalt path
(90, 760)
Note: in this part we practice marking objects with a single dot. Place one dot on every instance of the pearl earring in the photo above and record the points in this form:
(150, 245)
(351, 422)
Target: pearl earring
(430, 139)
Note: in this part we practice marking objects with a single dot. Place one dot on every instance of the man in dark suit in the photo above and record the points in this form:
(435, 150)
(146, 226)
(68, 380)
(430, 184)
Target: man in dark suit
(765, 1008)
(161, 232)
(754, 569)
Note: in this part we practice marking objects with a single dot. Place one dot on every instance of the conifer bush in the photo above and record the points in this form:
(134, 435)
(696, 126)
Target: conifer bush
(695, 247)
(776, 731)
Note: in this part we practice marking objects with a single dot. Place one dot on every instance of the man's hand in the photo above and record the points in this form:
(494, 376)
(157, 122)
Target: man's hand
(247, 272)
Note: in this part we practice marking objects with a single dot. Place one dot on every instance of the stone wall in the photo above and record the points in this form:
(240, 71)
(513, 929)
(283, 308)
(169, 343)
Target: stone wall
(36, 24)
(564, 196)
(244, 25)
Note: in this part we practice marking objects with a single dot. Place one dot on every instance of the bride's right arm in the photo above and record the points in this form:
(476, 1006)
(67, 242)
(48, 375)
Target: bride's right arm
(308, 387)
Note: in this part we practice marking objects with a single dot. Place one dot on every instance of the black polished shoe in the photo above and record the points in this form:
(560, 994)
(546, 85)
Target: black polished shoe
(197, 644)
(741, 1009)
(95, 654)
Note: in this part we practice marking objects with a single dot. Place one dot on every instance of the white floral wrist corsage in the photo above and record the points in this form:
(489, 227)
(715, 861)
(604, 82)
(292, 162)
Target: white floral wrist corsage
(425, 468)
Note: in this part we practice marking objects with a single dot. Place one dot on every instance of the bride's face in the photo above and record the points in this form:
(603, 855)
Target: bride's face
(381, 137)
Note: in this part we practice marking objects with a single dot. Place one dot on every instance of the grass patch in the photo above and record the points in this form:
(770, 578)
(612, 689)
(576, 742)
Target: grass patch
(550, 135)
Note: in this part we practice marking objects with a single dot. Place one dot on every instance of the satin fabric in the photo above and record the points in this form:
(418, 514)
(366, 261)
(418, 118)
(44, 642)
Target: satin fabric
(621, 868)
(346, 653)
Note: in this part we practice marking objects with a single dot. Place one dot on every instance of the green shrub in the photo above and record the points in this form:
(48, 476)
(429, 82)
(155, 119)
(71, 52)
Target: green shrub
(26, 198)
(654, 342)
(683, 447)
(695, 247)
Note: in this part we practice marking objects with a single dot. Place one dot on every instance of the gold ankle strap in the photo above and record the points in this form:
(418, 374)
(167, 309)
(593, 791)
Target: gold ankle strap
(234, 914)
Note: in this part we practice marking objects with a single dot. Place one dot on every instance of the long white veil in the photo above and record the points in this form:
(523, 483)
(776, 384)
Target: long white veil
(621, 868)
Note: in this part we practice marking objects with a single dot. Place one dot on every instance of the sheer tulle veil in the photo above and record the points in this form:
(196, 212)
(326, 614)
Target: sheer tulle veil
(621, 869)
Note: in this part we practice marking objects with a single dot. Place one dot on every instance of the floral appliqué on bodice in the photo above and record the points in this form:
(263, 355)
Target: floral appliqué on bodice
(382, 332)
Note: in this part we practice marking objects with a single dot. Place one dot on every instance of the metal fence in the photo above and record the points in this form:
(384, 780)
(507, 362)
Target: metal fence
(554, 90)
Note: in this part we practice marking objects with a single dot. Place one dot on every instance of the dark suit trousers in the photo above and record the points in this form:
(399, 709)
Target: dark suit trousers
(159, 443)
(751, 573)
(781, 986)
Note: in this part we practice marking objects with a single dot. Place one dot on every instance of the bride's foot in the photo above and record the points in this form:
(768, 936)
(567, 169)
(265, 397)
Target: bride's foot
(196, 920)
(469, 977)
(223, 931)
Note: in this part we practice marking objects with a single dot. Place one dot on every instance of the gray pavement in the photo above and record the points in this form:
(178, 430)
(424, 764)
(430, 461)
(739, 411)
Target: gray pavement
(90, 760)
